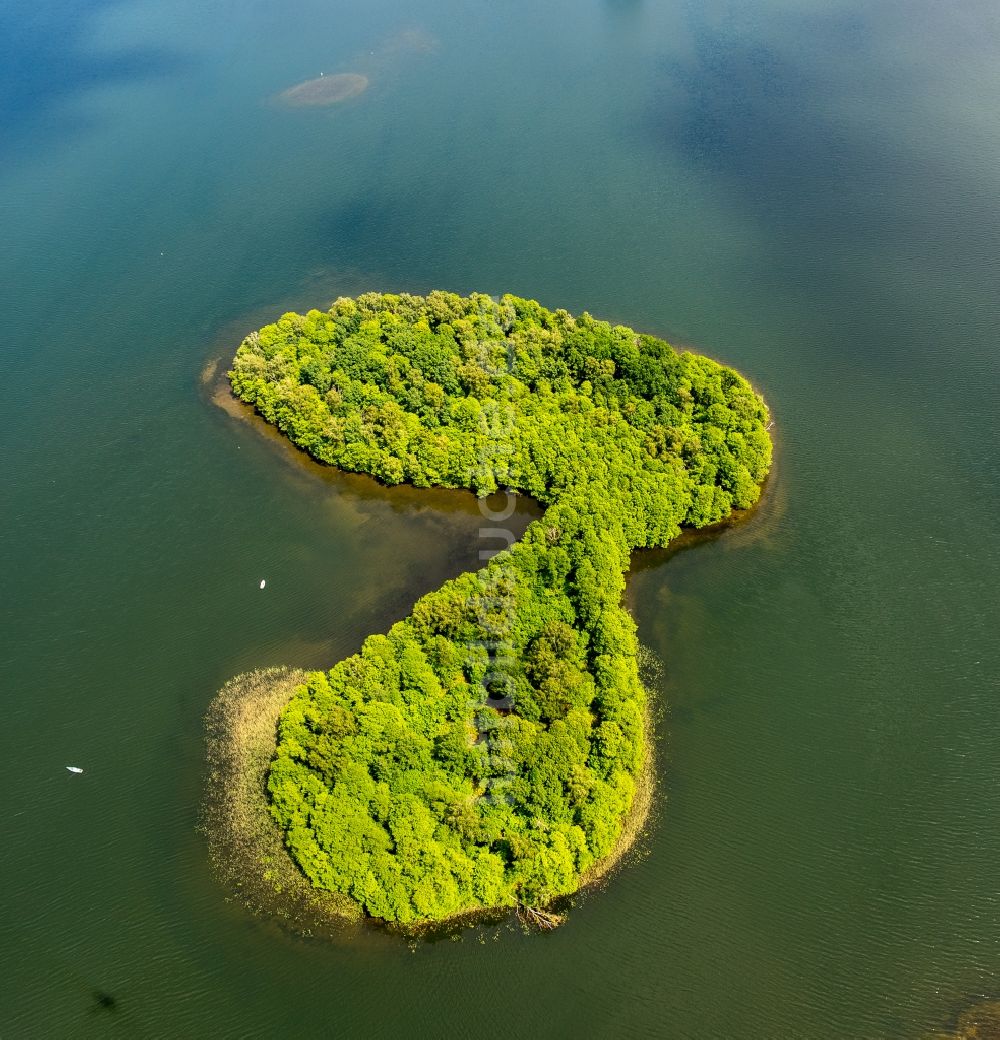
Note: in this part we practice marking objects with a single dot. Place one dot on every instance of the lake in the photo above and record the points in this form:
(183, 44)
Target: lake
(807, 191)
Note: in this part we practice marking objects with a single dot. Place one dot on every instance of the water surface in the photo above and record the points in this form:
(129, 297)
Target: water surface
(807, 191)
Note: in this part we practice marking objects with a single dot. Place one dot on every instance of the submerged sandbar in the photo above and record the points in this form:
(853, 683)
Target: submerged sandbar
(324, 90)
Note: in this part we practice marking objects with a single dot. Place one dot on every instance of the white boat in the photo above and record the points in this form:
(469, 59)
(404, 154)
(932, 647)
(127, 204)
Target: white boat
(262, 582)
(74, 769)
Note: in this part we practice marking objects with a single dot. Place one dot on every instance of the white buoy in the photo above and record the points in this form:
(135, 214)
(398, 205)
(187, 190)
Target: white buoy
(262, 582)
(74, 769)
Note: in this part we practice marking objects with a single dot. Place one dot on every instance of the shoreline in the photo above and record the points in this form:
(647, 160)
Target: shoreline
(218, 392)
(241, 735)
(639, 814)
(260, 696)
(246, 848)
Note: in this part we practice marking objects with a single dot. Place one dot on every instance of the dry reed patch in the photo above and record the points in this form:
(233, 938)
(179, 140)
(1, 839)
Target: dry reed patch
(245, 844)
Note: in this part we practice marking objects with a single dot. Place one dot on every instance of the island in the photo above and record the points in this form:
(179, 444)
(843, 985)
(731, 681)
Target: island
(492, 750)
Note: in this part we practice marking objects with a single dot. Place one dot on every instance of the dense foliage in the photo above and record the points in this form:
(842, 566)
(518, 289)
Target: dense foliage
(485, 751)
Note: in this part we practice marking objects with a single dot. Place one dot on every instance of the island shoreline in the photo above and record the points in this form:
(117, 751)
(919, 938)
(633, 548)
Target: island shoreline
(246, 847)
(270, 692)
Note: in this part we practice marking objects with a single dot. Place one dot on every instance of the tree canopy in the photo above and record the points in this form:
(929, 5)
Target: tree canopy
(485, 751)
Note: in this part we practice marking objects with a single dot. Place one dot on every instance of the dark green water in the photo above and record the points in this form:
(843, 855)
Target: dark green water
(806, 190)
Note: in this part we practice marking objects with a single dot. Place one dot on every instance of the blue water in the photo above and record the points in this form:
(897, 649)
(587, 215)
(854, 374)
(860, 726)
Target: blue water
(807, 191)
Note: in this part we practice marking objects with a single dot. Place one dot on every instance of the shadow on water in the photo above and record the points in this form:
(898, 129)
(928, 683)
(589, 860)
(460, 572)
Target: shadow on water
(360, 487)
(104, 1001)
(744, 526)
(47, 59)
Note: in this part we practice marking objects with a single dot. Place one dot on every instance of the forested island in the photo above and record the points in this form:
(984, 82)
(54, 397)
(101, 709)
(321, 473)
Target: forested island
(485, 752)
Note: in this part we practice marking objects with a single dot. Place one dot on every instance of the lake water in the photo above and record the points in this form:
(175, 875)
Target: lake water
(806, 190)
